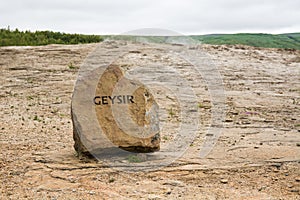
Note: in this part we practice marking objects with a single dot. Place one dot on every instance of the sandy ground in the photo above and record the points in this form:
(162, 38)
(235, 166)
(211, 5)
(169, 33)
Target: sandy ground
(256, 157)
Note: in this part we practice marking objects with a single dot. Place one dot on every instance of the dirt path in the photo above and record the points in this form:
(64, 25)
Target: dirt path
(256, 157)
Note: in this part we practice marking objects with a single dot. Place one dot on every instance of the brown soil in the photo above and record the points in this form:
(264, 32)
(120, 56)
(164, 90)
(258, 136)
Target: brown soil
(256, 157)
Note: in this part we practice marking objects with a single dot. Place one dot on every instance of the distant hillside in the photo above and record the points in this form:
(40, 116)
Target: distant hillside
(27, 38)
(289, 40)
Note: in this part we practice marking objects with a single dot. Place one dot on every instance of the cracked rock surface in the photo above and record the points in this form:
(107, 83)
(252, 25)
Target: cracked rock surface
(257, 156)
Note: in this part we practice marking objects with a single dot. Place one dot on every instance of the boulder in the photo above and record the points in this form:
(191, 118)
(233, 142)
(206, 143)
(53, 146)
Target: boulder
(126, 112)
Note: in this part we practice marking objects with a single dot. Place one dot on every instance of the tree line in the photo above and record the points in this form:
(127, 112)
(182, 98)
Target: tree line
(27, 38)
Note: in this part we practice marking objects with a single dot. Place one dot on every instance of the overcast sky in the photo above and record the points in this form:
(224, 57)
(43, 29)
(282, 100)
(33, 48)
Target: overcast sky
(183, 16)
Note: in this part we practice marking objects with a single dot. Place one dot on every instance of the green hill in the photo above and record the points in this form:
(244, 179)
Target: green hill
(289, 40)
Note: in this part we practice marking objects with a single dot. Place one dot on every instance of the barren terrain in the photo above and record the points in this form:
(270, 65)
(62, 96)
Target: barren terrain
(256, 157)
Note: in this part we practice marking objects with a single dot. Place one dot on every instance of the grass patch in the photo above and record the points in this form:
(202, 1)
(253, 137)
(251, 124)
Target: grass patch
(134, 159)
(111, 180)
(71, 66)
(29, 97)
(171, 113)
(36, 118)
(200, 105)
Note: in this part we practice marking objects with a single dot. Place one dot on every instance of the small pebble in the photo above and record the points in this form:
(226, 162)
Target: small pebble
(174, 183)
(262, 188)
(169, 191)
(224, 181)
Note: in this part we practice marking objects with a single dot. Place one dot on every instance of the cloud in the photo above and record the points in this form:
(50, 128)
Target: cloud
(117, 16)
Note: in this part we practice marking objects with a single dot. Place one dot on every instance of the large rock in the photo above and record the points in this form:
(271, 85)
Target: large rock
(126, 113)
